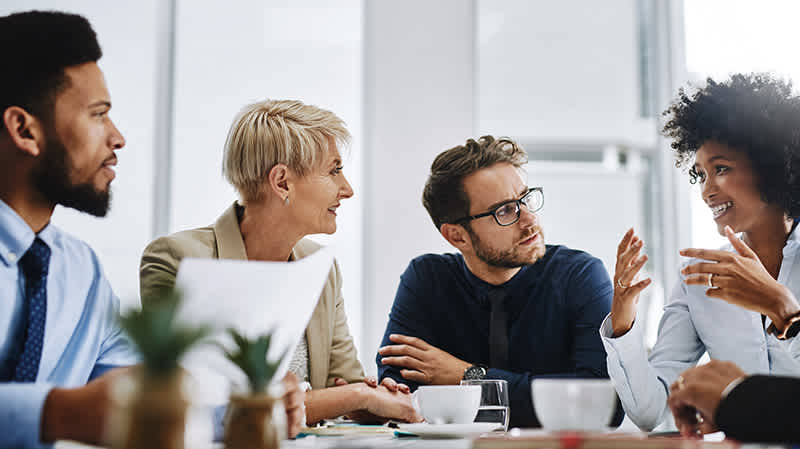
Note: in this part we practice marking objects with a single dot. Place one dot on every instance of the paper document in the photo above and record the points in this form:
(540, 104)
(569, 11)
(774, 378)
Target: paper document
(254, 298)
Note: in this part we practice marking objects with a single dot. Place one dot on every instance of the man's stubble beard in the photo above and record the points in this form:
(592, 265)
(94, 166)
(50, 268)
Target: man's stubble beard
(52, 179)
(510, 258)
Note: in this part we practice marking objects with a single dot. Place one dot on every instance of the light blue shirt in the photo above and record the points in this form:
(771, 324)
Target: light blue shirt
(81, 337)
(693, 324)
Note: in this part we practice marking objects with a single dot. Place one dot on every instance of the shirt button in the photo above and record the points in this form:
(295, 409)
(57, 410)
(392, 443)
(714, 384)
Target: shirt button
(12, 257)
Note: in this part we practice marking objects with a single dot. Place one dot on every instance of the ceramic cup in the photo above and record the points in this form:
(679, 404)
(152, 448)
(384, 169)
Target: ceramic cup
(447, 404)
(574, 404)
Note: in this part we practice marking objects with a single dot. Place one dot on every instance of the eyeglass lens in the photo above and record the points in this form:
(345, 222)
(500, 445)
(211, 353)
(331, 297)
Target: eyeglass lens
(509, 213)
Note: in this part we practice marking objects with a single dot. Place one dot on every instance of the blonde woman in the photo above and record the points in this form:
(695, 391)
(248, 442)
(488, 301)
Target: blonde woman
(283, 159)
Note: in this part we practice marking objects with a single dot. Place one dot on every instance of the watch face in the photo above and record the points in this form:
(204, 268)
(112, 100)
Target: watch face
(475, 372)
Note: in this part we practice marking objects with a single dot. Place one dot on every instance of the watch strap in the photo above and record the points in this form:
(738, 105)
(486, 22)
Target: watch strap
(790, 329)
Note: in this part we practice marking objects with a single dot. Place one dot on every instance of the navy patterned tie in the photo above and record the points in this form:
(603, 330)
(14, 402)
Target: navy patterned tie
(34, 265)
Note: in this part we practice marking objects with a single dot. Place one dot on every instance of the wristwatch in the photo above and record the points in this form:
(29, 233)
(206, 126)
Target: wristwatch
(474, 372)
(790, 329)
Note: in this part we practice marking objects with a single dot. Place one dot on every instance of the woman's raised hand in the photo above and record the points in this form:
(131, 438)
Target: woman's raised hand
(626, 286)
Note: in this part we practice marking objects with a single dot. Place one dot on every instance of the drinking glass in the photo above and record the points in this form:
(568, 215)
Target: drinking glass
(494, 401)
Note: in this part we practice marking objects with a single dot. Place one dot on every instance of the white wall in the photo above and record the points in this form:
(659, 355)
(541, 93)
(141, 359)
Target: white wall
(418, 97)
(237, 52)
(560, 71)
(127, 34)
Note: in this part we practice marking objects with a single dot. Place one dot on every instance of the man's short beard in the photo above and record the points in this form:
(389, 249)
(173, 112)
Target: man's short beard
(52, 180)
(509, 258)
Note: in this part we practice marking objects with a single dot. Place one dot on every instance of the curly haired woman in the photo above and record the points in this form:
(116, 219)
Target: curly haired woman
(740, 140)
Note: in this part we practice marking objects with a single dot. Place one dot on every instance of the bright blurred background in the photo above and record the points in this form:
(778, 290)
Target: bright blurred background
(580, 83)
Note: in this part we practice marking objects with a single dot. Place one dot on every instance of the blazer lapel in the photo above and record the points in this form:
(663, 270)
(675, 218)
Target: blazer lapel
(319, 350)
(229, 238)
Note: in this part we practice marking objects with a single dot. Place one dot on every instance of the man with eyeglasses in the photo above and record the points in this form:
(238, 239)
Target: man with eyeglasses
(508, 306)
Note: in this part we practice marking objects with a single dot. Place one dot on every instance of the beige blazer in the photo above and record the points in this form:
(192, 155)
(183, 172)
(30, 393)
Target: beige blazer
(331, 352)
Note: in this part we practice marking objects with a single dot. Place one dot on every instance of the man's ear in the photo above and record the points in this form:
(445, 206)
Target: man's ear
(279, 180)
(456, 235)
(23, 129)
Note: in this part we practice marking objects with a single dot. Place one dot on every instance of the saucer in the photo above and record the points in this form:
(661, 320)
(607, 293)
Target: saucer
(425, 430)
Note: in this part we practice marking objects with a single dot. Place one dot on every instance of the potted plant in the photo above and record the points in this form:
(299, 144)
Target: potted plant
(248, 422)
(151, 403)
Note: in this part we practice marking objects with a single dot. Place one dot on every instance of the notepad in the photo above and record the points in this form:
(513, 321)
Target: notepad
(254, 298)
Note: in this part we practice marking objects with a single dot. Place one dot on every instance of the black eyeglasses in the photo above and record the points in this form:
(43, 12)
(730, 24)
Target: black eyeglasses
(508, 213)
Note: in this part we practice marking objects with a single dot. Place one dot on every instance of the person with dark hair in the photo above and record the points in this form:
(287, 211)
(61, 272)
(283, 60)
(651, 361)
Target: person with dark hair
(508, 306)
(741, 141)
(58, 146)
(748, 408)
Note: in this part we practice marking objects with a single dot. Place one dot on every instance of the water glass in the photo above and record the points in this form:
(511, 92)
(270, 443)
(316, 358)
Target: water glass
(494, 401)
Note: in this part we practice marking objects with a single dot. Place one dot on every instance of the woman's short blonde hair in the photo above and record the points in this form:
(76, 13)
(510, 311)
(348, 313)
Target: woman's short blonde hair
(273, 132)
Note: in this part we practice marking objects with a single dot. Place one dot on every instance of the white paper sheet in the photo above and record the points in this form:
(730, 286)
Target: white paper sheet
(254, 298)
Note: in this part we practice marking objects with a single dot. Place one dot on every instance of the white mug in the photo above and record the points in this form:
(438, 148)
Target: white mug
(447, 404)
(574, 404)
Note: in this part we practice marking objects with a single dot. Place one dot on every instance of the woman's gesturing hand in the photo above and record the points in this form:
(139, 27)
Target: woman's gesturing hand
(741, 279)
(626, 286)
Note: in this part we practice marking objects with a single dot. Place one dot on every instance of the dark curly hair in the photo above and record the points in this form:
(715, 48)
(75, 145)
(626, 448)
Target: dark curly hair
(444, 197)
(37, 47)
(756, 114)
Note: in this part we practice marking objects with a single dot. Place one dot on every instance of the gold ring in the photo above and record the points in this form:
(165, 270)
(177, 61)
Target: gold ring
(620, 284)
(710, 278)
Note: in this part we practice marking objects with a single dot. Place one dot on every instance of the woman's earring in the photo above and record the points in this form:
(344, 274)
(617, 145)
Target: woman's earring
(286, 200)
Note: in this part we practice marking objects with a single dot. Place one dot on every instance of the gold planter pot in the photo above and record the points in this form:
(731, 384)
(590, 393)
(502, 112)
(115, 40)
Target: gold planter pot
(249, 422)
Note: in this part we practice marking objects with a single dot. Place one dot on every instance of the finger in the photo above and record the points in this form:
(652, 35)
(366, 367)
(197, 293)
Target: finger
(707, 254)
(629, 274)
(635, 289)
(630, 254)
(707, 426)
(700, 279)
(404, 388)
(403, 349)
(403, 361)
(414, 376)
(738, 244)
(705, 267)
(372, 381)
(727, 295)
(625, 242)
(293, 401)
(411, 341)
(389, 383)
(339, 382)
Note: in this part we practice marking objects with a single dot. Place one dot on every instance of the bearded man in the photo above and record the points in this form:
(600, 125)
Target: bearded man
(508, 306)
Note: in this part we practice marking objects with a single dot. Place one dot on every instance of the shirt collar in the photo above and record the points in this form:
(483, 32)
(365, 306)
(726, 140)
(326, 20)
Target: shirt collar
(481, 287)
(16, 236)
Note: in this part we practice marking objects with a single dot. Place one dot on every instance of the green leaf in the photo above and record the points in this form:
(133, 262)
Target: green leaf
(160, 341)
(250, 356)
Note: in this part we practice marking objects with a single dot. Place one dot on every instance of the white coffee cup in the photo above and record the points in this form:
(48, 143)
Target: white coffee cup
(574, 404)
(447, 404)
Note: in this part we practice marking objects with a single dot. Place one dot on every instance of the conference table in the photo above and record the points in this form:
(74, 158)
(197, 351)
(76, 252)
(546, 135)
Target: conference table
(390, 440)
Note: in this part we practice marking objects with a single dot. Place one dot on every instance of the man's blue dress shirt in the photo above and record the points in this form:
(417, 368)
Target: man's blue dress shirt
(554, 310)
(81, 338)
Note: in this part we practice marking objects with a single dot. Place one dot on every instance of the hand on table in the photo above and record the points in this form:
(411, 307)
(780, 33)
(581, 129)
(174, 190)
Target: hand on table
(741, 279)
(695, 396)
(626, 288)
(381, 404)
(293, 399)
(421, 362)
(387, 382)
(80, 414)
